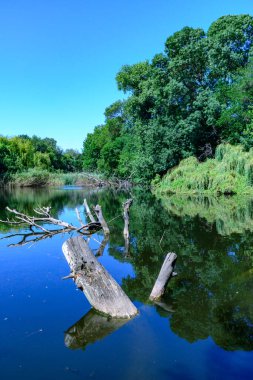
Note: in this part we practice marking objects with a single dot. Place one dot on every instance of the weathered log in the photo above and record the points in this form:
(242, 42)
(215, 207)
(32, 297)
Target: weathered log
(163, 277)
(86, 206)
(126, 207)
(101, 290)
(91, 328)
(99, 214)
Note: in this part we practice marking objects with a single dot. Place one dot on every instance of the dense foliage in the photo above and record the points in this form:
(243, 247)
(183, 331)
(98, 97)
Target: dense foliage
(20, 153)
(183, 102)
(230, 172)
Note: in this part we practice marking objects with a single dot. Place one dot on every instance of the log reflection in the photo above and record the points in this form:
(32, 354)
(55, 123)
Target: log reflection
(91, 328)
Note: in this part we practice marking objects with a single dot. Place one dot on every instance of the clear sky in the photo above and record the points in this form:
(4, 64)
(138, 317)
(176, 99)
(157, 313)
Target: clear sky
(59, 58)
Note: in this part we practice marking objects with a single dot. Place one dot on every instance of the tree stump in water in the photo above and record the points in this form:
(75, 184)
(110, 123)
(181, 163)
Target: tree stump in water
(101, 290)
(163, 277)
(126, 208)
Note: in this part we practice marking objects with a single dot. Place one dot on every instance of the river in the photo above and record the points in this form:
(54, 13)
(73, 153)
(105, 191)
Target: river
(202, 329)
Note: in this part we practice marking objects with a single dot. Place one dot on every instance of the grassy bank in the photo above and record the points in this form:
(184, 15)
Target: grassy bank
(39, 178)
(230, 172)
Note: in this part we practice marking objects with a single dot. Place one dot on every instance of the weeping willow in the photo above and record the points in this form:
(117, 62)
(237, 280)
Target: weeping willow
(230, 172)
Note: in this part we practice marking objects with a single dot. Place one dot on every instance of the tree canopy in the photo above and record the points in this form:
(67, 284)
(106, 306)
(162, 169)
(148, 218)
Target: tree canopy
(178, 102)
(22, 152)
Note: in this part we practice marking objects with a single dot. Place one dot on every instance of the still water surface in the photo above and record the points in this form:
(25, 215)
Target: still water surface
(202, 329)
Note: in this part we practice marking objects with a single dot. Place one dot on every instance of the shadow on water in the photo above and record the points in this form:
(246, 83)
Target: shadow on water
(212, 294)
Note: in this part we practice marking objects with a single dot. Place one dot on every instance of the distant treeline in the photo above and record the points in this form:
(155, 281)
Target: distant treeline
(195, 95)
(17, 154)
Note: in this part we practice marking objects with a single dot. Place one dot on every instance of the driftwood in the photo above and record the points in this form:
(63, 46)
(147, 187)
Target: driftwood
(126, 207)
(165, 273)
(98, 211)
(91, 328)
(101, 290)
(86, 206)
(43, 215)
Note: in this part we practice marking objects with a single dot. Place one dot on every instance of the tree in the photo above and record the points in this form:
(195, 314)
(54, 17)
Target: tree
(178, 103)
(236, 120)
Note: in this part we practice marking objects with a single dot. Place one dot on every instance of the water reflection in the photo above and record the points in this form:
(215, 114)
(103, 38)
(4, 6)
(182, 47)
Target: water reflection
(91, 328)
(212, 294)
(229, 214)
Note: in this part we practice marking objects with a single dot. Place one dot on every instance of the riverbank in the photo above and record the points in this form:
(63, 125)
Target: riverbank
(43, 178)
(230, 172)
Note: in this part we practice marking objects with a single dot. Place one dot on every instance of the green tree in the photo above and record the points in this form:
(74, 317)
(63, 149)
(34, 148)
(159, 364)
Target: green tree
(179, 103)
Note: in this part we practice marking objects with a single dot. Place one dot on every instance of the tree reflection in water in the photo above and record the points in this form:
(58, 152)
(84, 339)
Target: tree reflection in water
(212, 294)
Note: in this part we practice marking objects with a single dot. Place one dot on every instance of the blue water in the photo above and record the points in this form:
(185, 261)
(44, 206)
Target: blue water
(206, 332)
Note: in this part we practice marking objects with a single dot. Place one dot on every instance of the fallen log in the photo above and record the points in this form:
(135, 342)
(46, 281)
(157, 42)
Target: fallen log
(91, 328)
(163, 277)
(101, 290)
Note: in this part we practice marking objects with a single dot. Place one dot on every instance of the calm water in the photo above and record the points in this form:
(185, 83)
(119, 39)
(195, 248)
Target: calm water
(202, 329)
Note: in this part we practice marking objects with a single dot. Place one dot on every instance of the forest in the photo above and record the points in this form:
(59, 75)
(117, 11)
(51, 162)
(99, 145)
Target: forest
(183, 102)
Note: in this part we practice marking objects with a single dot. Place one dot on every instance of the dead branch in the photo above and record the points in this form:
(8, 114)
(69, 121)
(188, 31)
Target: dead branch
(99, 214)
(39, 232)
(86, 206)
(79, 217)
(126, 208)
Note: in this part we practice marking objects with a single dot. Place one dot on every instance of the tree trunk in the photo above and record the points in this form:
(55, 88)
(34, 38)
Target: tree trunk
(101, 290)
(98, 211)
(86, 206)
(126, 207)
(163, 277)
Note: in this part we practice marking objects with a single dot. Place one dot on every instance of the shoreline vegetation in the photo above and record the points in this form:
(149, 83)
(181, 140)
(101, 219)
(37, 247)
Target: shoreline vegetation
(229, 173)
(179, 106)
(42, 178)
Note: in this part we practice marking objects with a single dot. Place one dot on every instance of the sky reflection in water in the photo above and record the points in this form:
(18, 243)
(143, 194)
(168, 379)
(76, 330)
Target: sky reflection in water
(203, 329)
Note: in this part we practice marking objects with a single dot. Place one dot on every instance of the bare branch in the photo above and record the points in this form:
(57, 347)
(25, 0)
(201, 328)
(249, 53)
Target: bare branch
(86, 206)
(98, 211)
(38, 232)
(79, 217)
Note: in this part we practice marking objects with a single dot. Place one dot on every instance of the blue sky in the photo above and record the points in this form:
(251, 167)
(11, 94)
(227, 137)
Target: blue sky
(59, 58)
